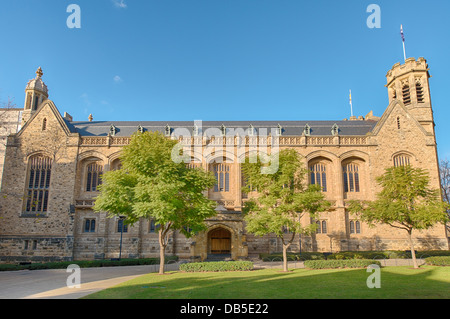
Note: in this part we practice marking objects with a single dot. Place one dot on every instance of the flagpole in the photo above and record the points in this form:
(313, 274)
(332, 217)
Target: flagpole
(403, 40)
(351, 105)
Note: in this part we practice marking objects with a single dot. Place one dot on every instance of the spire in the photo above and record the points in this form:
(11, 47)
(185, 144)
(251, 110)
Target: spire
(39, 73)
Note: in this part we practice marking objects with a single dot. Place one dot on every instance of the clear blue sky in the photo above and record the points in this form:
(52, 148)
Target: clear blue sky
(222, 59)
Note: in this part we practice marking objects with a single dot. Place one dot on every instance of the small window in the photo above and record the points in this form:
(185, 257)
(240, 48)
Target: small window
(89, 226)
(121, 226)
(358, 227)
(355, 227)
(44, 124)
(153, 228)
(26, 244)
(398, 122)
(321, 227)
(34, 244)
(324, 227)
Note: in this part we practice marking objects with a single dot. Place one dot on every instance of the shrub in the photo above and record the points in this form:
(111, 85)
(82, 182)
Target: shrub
(87, 263)
(292, 256)
(239, 265)
(438, 261)
(340, 263)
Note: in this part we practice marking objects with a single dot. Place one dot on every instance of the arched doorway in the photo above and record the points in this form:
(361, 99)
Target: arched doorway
(219, 241)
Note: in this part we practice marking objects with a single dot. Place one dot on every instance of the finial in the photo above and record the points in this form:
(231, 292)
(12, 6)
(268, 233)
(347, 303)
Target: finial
(39, 72)
(90, 117)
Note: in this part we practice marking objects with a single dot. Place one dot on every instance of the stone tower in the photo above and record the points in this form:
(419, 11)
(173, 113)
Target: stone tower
(409, 84)
(36, 92)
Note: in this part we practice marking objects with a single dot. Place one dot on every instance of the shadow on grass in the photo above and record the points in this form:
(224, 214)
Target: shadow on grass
(396, 283)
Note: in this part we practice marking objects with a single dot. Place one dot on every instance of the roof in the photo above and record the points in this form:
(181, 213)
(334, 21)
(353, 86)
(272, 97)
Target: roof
(289, 128)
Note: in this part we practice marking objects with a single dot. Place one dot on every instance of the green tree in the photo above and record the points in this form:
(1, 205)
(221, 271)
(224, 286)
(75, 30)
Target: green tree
(150, 185)
(405, 202)
(282, 198)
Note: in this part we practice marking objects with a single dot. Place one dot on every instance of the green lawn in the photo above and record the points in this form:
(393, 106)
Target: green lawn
(396, 282)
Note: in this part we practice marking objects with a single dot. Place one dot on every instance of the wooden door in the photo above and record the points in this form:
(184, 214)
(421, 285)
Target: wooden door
(220, 241)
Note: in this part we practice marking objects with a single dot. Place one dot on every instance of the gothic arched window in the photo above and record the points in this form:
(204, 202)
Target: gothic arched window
(93, 176)
(318, 175)
(351, 177)
(402, 160)
(37, 193)
(222, 174)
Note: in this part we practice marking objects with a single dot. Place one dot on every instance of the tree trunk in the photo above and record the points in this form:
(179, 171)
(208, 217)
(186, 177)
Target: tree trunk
(285, 264)
(413, 252)
(162, 251)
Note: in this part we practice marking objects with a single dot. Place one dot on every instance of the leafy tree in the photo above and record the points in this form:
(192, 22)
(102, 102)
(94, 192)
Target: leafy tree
(150, 185)
(405, 202)
(283, 198)
(444, 170)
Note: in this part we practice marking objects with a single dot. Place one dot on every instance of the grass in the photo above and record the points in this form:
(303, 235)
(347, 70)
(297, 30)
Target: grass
(396, 283)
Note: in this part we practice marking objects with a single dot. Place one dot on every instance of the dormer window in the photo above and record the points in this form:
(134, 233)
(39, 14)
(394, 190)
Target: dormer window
(251, 130)
(307, 130)
(112, 130)
(335, 130)
(223, 130)
(167, 130)
(195, 130)
(279, 130)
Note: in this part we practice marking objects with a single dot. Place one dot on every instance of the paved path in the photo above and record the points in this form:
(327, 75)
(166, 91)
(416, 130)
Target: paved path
(52, 283)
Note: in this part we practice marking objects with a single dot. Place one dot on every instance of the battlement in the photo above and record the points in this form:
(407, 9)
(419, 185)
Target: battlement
(410, 65)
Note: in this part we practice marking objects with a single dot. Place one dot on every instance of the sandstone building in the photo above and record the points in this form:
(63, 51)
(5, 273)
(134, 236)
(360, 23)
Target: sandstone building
(53, 166)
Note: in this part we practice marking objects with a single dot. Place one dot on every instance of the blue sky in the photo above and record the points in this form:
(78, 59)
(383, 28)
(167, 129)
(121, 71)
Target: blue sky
(222, 59)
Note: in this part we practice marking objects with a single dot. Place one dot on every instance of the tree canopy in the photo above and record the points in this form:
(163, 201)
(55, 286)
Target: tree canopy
(405, 202)
(150, 185)
(282, 198)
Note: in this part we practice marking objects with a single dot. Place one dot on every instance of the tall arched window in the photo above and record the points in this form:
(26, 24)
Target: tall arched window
(37, 193)
(351, 177)
(222, 174)
(93, 176)
(318, 175)
(402, 160)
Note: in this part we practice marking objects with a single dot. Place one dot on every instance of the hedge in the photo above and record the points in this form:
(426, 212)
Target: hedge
(240, 265)
(438, 261)
(292, 256)
(87, 263)
(346, 263)
(387, 254)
